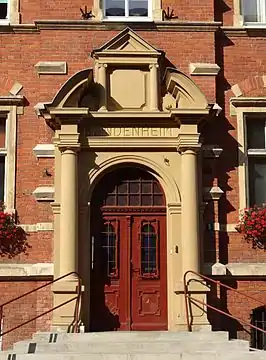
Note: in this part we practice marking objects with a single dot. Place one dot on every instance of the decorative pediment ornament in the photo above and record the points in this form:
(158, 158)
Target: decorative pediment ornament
(126, 42)
(126, 82)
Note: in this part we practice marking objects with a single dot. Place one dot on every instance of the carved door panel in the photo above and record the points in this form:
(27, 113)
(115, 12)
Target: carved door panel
(128, 276)
(110, 275)
(148, 273)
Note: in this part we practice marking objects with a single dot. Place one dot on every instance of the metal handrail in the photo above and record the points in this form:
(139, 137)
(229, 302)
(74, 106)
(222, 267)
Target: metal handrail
(76, 312)
(217, 282)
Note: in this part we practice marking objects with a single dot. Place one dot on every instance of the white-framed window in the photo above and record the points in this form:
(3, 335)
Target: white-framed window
(10, 107)
(253, 12)
(127, 10)
(4, 11)
(3, 158)
(255, 138)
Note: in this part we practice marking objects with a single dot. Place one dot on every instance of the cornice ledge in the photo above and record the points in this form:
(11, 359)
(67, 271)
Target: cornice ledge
(196, 26)
(244, 31)
(13, 100)
(69, 111)
(44, 193)
(44, 150)
(248, 101)
(100, 25)
(18, 28)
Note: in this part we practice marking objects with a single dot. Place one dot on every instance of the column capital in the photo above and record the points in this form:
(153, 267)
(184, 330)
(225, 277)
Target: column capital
(102, 65)
(68, 141)
(152, 66)
(70, 148)
(187, 142)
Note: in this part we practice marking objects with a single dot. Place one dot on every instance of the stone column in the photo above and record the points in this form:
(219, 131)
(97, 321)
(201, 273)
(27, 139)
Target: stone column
(102, 81)
(190, 211)
(154, 87)
(65, 255)
(69, 211)
(188, 146)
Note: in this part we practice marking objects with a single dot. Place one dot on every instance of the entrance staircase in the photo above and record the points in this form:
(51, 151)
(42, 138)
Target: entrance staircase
(157, 345)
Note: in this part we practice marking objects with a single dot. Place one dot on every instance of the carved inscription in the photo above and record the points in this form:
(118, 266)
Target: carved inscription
(135, 132)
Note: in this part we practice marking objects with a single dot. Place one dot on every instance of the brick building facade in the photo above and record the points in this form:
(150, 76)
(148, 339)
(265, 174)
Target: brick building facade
(164, 90)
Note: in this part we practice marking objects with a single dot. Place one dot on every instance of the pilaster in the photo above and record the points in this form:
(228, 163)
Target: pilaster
(188, 146)
(66, 254)
(154, 87)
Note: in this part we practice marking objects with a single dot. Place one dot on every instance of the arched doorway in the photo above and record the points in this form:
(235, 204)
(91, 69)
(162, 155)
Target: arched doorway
(129, 275)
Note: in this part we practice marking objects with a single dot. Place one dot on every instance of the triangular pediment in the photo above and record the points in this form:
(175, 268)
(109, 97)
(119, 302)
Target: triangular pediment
(127, 41)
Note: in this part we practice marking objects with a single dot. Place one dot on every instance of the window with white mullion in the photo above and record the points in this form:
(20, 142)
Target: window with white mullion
(126, 8)
(3, 157)
(256, 152)
(262, 11)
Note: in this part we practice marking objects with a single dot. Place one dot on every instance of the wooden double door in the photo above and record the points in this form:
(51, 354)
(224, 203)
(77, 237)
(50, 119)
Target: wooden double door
(128, 276)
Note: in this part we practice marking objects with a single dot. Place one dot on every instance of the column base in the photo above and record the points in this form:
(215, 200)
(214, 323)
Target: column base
(63, 317)
(197, 312)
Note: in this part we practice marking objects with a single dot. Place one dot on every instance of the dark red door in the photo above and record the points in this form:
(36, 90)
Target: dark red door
(128, 282)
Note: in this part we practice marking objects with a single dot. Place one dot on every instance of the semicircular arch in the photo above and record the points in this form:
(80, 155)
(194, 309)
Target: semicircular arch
(167, 182)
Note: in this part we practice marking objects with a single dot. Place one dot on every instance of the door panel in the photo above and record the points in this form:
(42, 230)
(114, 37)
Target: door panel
(148, 293)
(109, 276)
(128, 276)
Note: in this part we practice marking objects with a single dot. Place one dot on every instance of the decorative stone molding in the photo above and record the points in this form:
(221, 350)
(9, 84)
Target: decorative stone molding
(16, 88)
(204, 69)
(26, 270)
(236, 90)
(92, 25)
(249, 84)
(44, 193)
(44, 150)
(236, 269)
(51, 67)
(174, 208)
(188, 141)
(47, 226)
(223, 227)
(213, 193)
(56, 208)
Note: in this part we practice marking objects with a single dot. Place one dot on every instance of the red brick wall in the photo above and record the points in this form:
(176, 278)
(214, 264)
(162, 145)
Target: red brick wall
(237, 305)
(24, 309)
(240, 58)
(39, 10)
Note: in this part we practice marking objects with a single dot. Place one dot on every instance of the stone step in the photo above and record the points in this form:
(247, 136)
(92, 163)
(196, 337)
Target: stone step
(130, 336)
(200, 355)
(131, 347)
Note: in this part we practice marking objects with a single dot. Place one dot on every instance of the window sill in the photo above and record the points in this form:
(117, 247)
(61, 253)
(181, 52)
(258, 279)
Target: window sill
(4, 22)
(254, 25)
